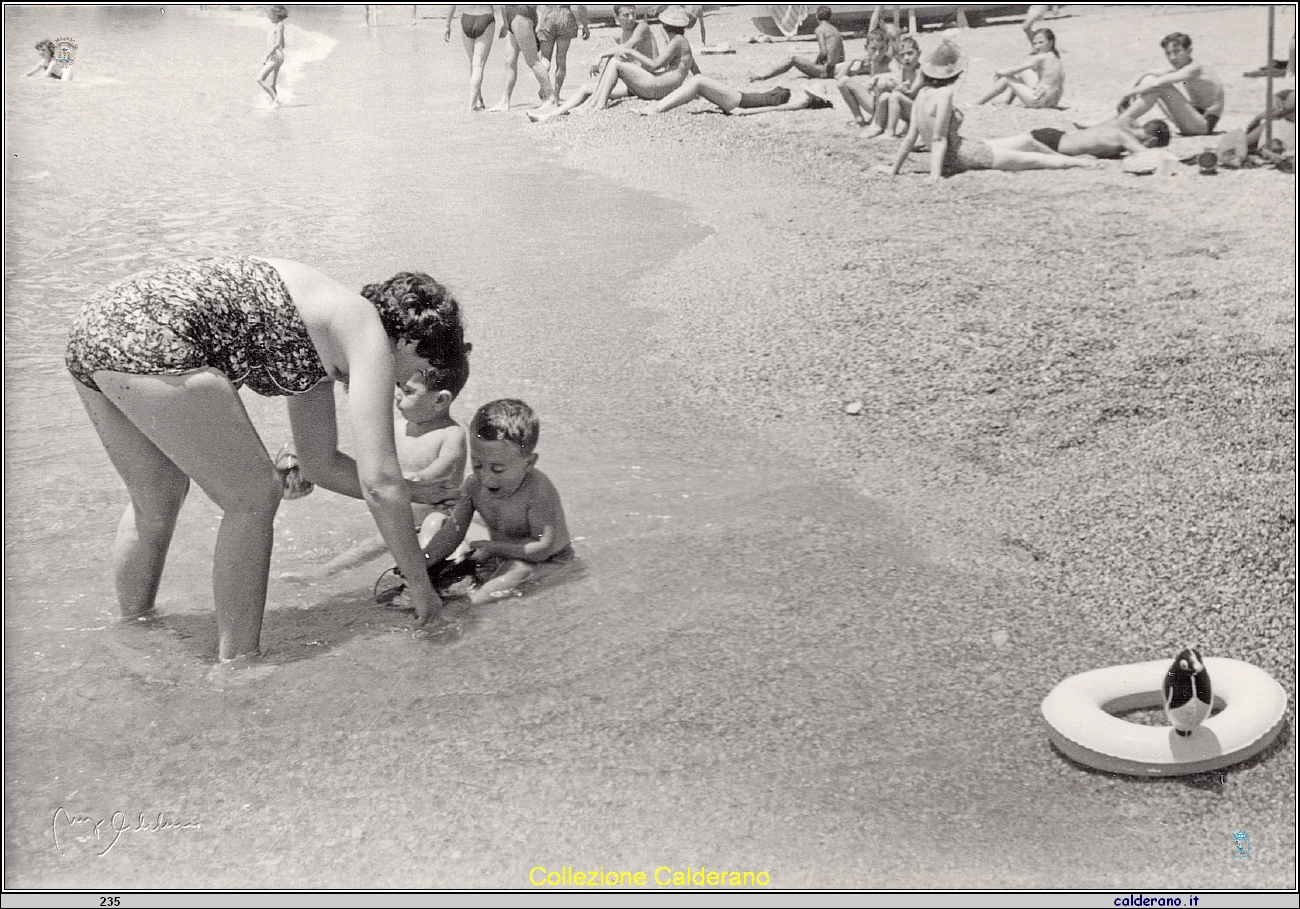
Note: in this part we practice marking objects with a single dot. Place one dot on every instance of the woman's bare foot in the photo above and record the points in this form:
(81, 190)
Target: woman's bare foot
(873, 132)
(500, 107)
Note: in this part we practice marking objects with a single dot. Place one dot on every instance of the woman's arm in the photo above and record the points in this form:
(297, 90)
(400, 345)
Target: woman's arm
(370, 404)
(452, 531)
(314, 423)
(672, 53)
(939, 141)
(1032, 63)
(38, 68)
(909, 142)
(451, 14)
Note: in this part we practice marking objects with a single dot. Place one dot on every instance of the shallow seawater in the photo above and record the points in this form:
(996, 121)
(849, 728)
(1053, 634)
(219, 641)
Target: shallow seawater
(162, 146)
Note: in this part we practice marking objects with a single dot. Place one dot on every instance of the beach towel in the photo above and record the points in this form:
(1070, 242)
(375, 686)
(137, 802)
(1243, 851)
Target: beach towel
(788, 18)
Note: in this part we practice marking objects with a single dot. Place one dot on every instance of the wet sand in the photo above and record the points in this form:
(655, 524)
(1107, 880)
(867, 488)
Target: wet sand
(779, 654)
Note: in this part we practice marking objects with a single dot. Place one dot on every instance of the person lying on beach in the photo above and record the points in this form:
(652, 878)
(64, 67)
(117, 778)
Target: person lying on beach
(431, 449)
(478, 25)
(863, 80)
(521, 25)
(559, 26)
(897, 103)
(1112, 139)
(830, 53)
(518, 503)
(275, 56)
(741, 103)
(935, 117)
(632, 73)
(1049, 76)
(1196, 108)
(49, 65)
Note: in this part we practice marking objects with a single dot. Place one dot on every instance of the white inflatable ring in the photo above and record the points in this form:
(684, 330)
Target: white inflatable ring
(1078, 714)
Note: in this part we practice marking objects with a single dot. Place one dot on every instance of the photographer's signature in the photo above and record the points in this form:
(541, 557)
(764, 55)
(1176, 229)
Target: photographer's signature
(109, 829)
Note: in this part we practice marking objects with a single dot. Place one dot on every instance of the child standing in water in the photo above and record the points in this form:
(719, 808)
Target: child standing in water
(275, 56)
(431, 449)
(517, 502)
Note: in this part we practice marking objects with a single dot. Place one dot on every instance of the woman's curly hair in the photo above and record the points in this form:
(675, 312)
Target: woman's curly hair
(415, 307)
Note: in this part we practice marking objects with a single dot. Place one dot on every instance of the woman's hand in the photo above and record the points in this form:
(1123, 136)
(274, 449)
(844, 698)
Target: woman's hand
(427, 603)
(446, 36)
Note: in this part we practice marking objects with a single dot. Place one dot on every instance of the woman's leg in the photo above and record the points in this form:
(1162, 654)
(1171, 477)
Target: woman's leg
(199, 426)
(512, 72)
(477, 49)
(561, 63)
(158, 489)
(724, 96)
(851, 90)
(580, 97)
(525, 38)
(644, 85)
(1011, 159)
(773, 73)
(998, 88)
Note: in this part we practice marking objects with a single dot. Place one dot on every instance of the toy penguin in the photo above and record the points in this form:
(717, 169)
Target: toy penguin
(1187, 692)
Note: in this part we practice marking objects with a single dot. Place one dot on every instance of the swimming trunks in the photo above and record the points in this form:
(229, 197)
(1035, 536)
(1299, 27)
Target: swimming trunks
(1049, 137)
(475, 26)
(965, 155)
(232, 314)
(772, 98)
(528, 12)
(559, 22)
(817, 102)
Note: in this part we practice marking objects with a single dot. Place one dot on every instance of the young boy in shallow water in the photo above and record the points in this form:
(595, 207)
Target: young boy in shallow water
(431, 449)
(518, 503)
(275, 56)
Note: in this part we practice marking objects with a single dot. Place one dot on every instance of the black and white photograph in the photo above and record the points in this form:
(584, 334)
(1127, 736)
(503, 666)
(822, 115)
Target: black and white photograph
(670, 452)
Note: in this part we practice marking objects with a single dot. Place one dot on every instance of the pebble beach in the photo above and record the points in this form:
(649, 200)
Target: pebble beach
(858, 469)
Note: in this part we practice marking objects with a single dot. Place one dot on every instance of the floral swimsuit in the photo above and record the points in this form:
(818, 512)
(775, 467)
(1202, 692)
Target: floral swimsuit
(233, 314)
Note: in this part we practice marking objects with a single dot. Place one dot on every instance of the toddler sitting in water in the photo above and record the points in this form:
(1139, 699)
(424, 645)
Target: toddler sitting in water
(517, 502)
(431, 448)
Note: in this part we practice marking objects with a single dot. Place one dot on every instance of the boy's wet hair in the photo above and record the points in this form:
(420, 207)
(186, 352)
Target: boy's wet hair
(507, 420)
(449, 375)
(1178, 38)
(278, 13)
(1157, 133)
(824, 13)
(908, 41)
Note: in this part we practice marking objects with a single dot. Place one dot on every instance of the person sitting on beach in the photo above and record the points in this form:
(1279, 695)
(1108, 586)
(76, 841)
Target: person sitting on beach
(1107, 140)
(1282, 108)
(632, 73)
(1196, 109)
(898, 102)
(863, 80)
(49, 65)
(521, 25)
(636, 36)
(557, 29)
(518, 503)
(935, 117)
(742, 103)
(431, 449)
(1049, 83)
(478, 25)
(275, 56)
(830, 53)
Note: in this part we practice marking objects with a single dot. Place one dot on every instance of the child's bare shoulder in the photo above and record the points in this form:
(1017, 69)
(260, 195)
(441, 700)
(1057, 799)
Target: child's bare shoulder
(538, 487)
